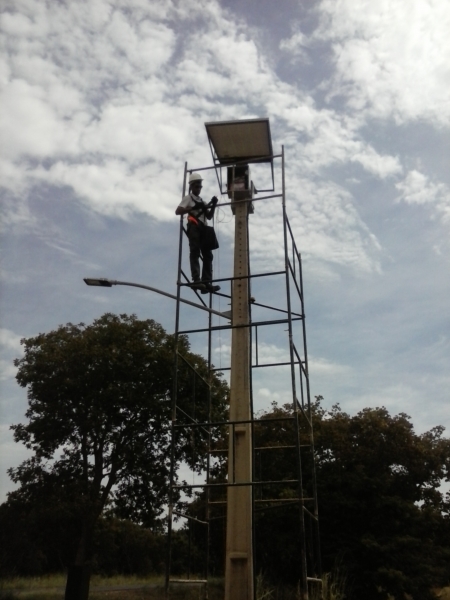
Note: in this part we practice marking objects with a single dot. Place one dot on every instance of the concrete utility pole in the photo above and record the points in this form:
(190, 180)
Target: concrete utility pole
(239, 545)
(235, 145)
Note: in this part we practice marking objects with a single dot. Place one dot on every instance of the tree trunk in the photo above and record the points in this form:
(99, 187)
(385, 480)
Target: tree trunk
(77, 585)
(79, 574)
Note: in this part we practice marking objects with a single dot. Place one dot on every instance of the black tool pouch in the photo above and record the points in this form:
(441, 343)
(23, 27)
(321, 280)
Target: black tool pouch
(209, 239)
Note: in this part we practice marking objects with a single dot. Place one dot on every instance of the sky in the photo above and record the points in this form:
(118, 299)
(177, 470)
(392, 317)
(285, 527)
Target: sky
(103, 102)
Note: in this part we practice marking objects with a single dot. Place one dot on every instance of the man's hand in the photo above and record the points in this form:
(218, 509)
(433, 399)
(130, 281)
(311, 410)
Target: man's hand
(214, 200)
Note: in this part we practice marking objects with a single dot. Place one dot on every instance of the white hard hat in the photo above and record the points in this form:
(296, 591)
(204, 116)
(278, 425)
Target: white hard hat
(195, 177)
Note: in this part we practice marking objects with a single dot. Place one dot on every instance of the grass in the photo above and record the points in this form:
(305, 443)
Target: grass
(52, 587)
(333, 585)
(59, 580)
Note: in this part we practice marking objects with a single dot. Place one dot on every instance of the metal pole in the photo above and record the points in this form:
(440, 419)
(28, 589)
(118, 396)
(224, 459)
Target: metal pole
(303, 567)
(208, 463)
(317, 555)
(174, 408)
(177, 297)
(239, 555)
(251, 410)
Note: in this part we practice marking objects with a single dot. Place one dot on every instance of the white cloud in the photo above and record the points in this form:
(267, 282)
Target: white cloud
(324, 217)
(392, 58)
(266, 395)
(321, 367)
(12, 455)
(271, 353)
(403, 397)
(10, 340)
(327, 138)
(377, 164)
(30, 124)
(7, 370)
(15, 214)
(110, 103)
(10, 348)
(416, 188)
(296, 44)
(87, 81)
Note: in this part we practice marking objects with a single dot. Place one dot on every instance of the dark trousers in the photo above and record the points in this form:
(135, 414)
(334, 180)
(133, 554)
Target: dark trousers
(196, 246)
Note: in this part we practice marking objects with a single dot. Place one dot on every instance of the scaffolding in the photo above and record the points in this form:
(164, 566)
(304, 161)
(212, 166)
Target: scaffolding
(283, 482)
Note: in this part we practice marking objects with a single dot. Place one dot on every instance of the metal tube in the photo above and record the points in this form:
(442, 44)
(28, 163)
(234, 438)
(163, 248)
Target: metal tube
(303, 568)
(174, 406)
(219, 423)
(177, 298)
(208, 463)
(190, 486)
(251, 410)
(219, 327)
(317, 553)
(246, 277)
(188, 517)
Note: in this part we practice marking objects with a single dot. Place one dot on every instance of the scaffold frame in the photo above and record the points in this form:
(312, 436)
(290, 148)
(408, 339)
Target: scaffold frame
(305, 501)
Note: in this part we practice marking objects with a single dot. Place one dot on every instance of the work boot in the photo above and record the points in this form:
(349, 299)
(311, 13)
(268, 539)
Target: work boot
(210, 289)
(198, 285)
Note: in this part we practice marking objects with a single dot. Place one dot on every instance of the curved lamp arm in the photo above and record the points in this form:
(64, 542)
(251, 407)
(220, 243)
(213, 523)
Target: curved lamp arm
(102, 282)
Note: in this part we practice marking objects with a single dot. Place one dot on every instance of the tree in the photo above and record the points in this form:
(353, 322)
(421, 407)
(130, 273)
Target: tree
(380, 503)
(99, 405)
(383, 517)
(39, 538)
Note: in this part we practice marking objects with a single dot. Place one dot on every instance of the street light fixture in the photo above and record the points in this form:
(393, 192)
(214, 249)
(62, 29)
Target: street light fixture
(98, 282)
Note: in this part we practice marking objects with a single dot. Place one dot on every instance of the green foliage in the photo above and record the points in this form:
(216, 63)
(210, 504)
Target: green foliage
(98, 425)
(382, 514)
(37, 536)
(122, 547)
(380, 503)
(35, 541)
(98, 421)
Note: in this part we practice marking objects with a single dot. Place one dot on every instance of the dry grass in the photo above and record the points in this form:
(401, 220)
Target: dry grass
(143, 588)
(105, 588)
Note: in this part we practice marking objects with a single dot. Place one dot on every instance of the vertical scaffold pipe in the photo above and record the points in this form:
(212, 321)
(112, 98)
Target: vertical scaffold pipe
(303, 570)
(174, 405)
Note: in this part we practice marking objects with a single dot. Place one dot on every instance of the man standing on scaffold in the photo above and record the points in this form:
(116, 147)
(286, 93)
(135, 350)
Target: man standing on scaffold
(197, 212)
